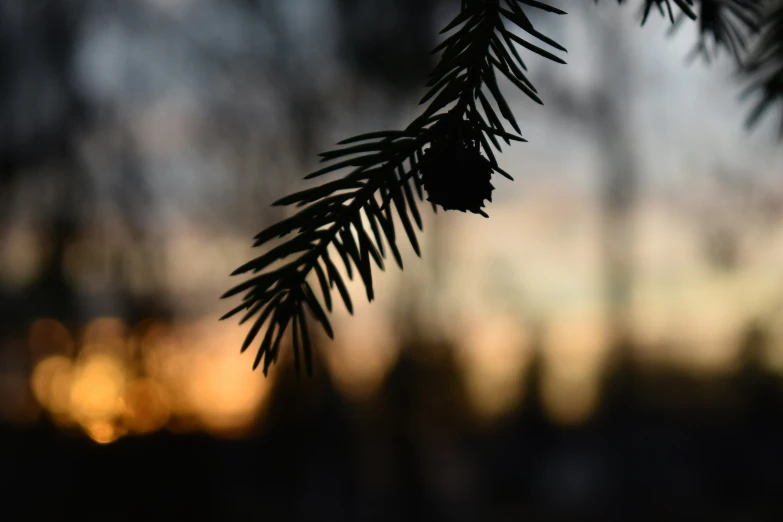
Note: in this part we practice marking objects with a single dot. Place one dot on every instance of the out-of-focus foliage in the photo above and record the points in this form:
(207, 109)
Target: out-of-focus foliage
(36, 47)
(750, 30)
(765, 65)
(369, 41)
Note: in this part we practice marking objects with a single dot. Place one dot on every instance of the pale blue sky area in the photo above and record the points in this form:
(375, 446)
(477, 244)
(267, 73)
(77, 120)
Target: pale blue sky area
(204, 56)
(687, 118)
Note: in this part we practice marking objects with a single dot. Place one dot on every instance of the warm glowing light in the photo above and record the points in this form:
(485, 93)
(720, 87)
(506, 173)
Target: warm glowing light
(98, 388)
(161, 350)
(189, 376)
(102, 432)
(211, 382)
(47, 337)
(51, 383)
(573, 362)
(494, 358)
(170, 364)
(147, 409)
(570, 398)
(360, 362)
(224, 393)
(106, 335)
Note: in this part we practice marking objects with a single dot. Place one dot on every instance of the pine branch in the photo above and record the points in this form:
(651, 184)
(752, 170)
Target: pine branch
(750, 30)
(728, 23)
(664, 7)
(765, 65)
(446, 152)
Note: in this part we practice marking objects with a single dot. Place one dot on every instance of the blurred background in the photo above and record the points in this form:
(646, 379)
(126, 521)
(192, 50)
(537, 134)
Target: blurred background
(608, 345)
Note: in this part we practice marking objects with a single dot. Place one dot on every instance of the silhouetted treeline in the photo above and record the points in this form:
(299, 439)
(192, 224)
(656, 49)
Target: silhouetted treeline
(669, 447)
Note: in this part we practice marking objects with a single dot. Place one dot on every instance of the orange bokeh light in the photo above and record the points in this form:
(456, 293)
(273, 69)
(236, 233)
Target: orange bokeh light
(98, 388)
(226, 397)
(494, 358)
(51, 384)
(147, 408)
(106, 335)
(574, 360)
(103, 432)
(360, 363)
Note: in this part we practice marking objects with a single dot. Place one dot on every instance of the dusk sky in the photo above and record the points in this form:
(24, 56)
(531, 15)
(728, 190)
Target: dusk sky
(168, 71)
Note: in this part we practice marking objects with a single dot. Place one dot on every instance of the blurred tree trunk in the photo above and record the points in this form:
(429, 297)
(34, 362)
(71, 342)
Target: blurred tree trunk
(42, 111)
(604, 110)
(619, 182)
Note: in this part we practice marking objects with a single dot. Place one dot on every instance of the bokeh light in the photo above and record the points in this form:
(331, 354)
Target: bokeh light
(51, 383)
(120, 381)
(147, 408)
(495, 355)
(361, 361)
(572, 369)
(98, 388)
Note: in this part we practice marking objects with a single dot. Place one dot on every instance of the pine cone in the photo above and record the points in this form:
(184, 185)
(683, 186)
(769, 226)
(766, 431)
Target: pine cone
(455, 174)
